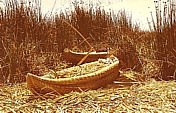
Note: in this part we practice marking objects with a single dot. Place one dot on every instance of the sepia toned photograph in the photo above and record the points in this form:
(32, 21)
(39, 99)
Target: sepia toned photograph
(87, 56)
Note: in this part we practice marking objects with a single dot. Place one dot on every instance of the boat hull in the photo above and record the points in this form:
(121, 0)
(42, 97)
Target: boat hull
(75, 57)
(95, 80)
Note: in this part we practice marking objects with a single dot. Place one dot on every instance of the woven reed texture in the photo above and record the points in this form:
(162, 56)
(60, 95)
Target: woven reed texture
(89, 81)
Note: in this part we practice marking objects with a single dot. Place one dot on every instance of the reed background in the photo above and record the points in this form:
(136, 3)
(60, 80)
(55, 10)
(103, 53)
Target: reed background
(30, 41)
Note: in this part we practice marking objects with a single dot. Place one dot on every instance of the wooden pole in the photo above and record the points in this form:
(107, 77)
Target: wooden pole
(84, 58)
(79, 34)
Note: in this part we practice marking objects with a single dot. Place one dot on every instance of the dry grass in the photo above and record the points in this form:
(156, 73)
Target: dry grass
(151, 96)
(165, 38)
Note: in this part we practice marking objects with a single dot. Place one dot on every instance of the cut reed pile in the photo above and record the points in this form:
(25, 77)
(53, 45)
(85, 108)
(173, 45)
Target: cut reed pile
(151, 96)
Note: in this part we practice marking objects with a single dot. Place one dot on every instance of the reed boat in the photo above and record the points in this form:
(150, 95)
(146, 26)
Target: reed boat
(75, 57)
(84, 77)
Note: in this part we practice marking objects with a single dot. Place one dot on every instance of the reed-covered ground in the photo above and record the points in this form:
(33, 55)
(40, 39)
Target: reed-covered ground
(31, 42)
(152, 96)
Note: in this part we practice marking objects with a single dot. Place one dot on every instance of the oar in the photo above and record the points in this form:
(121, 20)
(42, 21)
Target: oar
(79, 34)
(84, 58)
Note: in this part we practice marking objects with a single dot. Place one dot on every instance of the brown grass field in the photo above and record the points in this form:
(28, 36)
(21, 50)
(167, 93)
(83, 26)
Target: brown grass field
(31, 42)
